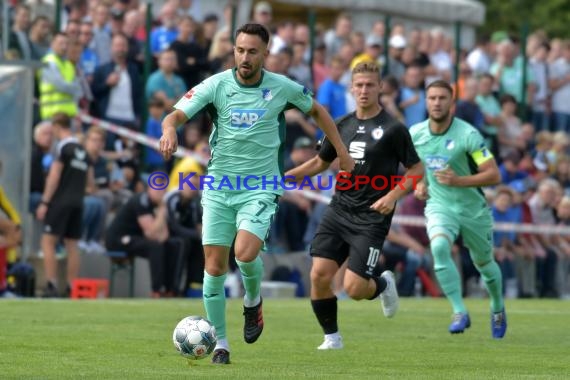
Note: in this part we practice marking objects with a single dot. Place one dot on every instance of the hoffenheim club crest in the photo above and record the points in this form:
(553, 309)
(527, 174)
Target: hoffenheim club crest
(266, 94)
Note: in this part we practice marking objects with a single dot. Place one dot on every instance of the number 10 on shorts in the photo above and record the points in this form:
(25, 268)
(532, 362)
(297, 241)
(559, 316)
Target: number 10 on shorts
(373, 256)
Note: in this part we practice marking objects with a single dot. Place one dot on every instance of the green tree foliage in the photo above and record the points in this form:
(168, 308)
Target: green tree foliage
(552, 16)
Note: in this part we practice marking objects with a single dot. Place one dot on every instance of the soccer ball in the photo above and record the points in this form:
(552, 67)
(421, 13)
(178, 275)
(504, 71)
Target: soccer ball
(194, 337)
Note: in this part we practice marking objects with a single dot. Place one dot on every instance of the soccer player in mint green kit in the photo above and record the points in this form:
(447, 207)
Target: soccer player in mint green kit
(247, 107)
(457, 165)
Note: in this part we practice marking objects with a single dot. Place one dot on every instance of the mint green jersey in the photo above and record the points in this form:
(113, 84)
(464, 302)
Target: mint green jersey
(248, 133)
(462, 148)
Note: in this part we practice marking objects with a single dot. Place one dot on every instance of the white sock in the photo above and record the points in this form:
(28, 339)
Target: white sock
(222, 343)
(333, 336)
(251, 303)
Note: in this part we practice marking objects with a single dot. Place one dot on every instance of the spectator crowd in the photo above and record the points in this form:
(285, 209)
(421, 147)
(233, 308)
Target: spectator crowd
(95, 63)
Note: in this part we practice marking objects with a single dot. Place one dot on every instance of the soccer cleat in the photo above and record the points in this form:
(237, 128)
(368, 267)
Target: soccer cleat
(253, 323)
(331, 343)
(460, 322)
(389, 297)
(50, 291)
(499, 324)
(221, 356)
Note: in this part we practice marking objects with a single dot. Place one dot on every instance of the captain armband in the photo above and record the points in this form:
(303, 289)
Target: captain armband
(482, 155)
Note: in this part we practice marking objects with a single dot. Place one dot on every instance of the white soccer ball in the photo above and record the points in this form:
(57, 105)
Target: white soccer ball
(194, 337)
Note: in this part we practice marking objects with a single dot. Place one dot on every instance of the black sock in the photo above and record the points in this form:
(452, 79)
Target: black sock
(380, 286)
(326, 311)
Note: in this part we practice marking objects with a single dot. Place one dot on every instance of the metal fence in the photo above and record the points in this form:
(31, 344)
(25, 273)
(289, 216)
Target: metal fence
(16, 95)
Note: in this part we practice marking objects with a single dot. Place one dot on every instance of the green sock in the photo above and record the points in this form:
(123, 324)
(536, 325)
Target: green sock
(447, 274)
(215, 302)
(251, 273)
(493, 278)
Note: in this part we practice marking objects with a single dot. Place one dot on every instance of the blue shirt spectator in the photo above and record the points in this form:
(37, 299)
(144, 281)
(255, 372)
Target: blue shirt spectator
(332, 95)
(161, 38)
(88, 61)
(156, 111)
(415, 112)
(470, 112)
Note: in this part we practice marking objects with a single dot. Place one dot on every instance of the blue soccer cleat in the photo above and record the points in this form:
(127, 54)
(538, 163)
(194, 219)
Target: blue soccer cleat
(460, 322)
(499, 324)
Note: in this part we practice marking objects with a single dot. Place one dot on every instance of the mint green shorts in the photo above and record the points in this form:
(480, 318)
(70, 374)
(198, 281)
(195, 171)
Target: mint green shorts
(475, 228)
(226, 212)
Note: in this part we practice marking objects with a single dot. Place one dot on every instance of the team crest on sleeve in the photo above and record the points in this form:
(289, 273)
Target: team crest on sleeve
(377, 133)
(266, 94)
(189, 94)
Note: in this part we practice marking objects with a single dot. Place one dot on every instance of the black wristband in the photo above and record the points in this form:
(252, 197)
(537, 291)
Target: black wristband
(42, 202)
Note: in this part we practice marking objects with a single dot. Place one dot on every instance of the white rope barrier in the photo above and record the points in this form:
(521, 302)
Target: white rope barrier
(408, 220)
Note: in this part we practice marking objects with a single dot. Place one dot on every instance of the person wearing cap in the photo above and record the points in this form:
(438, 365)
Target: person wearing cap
(372, 51)
(396, 46)
(263, 14)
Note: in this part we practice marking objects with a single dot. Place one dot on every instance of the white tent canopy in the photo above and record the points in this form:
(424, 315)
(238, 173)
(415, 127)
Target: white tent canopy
(467, 11)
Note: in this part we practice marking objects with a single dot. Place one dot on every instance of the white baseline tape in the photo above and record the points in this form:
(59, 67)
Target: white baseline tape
(139, 137)
(415, 221)
(419, 221)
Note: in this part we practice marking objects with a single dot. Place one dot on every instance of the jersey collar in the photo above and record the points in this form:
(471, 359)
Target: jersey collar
(248, 85)
(446, 129)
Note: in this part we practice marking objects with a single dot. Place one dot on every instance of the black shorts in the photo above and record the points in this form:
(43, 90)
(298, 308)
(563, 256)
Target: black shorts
(64, 221)
(338, 239)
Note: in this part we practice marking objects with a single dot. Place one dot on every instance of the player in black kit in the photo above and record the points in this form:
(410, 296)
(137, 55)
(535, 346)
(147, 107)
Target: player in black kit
(61, 207)
(358, 219)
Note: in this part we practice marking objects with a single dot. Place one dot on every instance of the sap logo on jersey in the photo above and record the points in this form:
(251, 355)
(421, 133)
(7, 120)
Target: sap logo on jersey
(246, 118)
(436, 162)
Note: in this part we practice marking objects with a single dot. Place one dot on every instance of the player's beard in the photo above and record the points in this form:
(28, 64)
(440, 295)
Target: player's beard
(441, 118)
(247, 75)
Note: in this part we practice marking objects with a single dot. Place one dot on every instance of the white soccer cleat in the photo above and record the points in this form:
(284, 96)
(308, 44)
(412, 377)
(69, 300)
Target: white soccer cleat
(331, 344)
(389, 297)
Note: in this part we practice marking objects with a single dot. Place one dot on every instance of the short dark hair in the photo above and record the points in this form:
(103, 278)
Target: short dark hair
(488, 76)
(507, 98)
(61, 119)
(392, 81)
(156, 102)
(255, 29)
(440, 83)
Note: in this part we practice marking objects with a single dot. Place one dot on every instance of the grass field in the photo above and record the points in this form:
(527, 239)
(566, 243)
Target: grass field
(124, 339)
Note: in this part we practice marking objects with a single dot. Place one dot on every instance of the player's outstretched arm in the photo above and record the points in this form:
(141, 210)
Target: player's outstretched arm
(326, 123)
(169, 141)
(310, 168)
